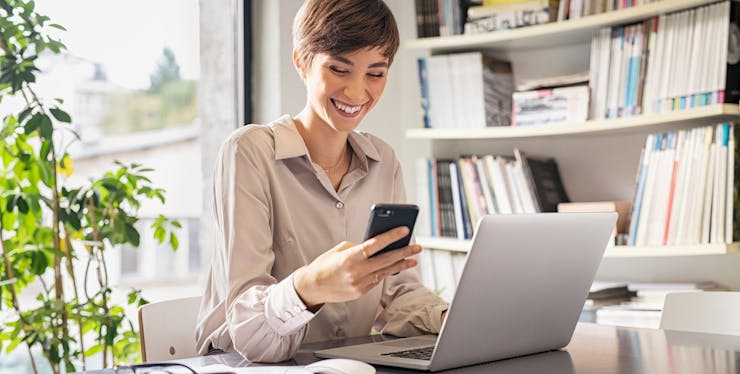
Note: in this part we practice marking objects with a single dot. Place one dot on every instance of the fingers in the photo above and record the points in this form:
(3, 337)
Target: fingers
(377, 276)
(389, 258)
(376, 243)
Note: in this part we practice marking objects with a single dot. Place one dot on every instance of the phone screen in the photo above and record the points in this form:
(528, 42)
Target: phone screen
(384, 217)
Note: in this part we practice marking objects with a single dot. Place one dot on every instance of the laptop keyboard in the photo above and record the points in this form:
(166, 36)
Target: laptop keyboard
(424, 353)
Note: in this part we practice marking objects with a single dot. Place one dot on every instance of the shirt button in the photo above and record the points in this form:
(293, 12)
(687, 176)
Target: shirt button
(297, 309)
(339, 205)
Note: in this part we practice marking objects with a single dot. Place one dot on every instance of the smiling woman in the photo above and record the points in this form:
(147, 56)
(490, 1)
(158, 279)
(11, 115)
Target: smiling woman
(291, 199)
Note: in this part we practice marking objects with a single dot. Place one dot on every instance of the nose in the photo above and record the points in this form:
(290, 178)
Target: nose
(356, 89)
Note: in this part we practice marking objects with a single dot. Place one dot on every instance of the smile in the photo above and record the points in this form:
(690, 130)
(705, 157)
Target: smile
(346, 109)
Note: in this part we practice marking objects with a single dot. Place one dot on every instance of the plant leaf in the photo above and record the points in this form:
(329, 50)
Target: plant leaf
(33, 123)
(60, 115)
(132, 235)
(45, 127)
(174, 242)
(94, 350)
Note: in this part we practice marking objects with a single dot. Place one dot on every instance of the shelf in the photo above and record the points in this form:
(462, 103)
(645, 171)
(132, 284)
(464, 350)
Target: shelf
(707, 115)
(621, 251)
(549, 34)
(457, 245)
(448, 244)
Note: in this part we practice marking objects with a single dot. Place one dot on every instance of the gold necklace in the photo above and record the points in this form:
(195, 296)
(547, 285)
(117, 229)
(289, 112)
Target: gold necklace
(341, 158)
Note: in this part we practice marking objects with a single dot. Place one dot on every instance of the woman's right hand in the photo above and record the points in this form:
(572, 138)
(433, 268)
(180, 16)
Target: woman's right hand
(346, 272)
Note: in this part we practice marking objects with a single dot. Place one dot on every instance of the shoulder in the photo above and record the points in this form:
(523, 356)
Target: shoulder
(253, 136)
(371, 143)
(253, 141)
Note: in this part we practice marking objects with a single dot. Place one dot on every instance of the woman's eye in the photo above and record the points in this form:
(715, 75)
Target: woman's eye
(376, 75)
(338, 70)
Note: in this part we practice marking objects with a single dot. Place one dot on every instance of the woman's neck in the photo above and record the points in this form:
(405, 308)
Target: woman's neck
(325, 144)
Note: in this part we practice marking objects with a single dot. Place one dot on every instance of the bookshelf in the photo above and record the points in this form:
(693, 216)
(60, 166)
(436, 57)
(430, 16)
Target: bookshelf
(456, 245)
(549, 34)
(706, 115)
(569, 143)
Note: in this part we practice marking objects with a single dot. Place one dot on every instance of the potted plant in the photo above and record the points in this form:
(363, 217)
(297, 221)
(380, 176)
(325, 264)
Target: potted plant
(56, 236)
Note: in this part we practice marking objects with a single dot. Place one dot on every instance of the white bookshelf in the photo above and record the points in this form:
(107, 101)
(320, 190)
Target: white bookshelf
(549, 34)
(456, 245)
(613, 145)
(700, 116)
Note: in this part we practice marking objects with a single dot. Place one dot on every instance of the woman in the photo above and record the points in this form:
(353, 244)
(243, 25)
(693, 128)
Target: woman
(291, 200)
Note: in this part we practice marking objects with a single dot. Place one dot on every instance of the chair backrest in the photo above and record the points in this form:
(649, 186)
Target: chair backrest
(167, 329)
(706, 312)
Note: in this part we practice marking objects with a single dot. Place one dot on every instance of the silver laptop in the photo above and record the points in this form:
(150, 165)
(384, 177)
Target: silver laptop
(522, 289)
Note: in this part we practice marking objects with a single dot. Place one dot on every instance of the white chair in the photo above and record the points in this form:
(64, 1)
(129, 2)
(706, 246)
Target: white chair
(705, 312)
(167, 329)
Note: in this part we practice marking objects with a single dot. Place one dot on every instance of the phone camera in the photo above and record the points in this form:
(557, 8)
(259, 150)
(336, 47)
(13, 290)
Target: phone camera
(387, 213)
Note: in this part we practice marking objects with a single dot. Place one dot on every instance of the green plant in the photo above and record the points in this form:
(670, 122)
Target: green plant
(50, 232)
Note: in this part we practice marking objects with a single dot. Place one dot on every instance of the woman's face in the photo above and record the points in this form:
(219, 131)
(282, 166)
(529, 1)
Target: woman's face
(342, 89)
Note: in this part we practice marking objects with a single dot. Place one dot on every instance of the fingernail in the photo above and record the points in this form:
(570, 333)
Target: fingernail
(404, 230)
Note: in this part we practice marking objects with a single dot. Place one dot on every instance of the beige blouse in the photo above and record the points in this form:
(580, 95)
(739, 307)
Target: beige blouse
(276, 211)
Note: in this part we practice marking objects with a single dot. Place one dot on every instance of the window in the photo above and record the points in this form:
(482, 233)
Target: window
(129, 79)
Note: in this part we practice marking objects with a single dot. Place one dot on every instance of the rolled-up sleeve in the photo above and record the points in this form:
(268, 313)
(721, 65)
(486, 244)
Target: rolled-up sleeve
(408, 308)
(266, 319)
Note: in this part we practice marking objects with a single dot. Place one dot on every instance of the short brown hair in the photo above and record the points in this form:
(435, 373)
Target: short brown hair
(340, 26)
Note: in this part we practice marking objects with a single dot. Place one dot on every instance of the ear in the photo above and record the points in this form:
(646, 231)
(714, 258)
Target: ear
(298, 64)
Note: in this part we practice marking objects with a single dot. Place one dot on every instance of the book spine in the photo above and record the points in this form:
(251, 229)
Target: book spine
(457, 204)
(424, 85)
(434, 196)
(678, 140)
(730, 192)
(639, 189)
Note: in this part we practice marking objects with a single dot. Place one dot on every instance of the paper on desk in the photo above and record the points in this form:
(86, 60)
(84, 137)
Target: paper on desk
(220, 368)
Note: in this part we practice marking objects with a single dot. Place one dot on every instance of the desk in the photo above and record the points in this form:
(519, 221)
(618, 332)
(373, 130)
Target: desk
(593, 349)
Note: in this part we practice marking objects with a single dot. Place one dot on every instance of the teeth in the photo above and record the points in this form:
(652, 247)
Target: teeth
(348, 109)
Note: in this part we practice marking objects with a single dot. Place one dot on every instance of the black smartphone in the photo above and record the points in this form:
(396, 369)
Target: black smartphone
(384, 217)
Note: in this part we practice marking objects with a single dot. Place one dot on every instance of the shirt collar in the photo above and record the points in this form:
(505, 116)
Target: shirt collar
(289, 143)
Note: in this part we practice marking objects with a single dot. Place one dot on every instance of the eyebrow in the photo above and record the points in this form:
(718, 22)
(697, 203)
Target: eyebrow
(347, 61)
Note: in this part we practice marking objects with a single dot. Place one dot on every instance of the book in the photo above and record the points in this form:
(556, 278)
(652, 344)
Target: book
(427, 18)
(424, 85)
(622, 208)
(423, 198)
(444, 272)
(426, 269)
(685, 188)
(465, 90)
(506, 20)
(457, 204)
(550, 106)
(498, 184)
(609, 290)
(446, 204)
(639, 189)
(642, 62)
(480, 11)
(548, 185)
